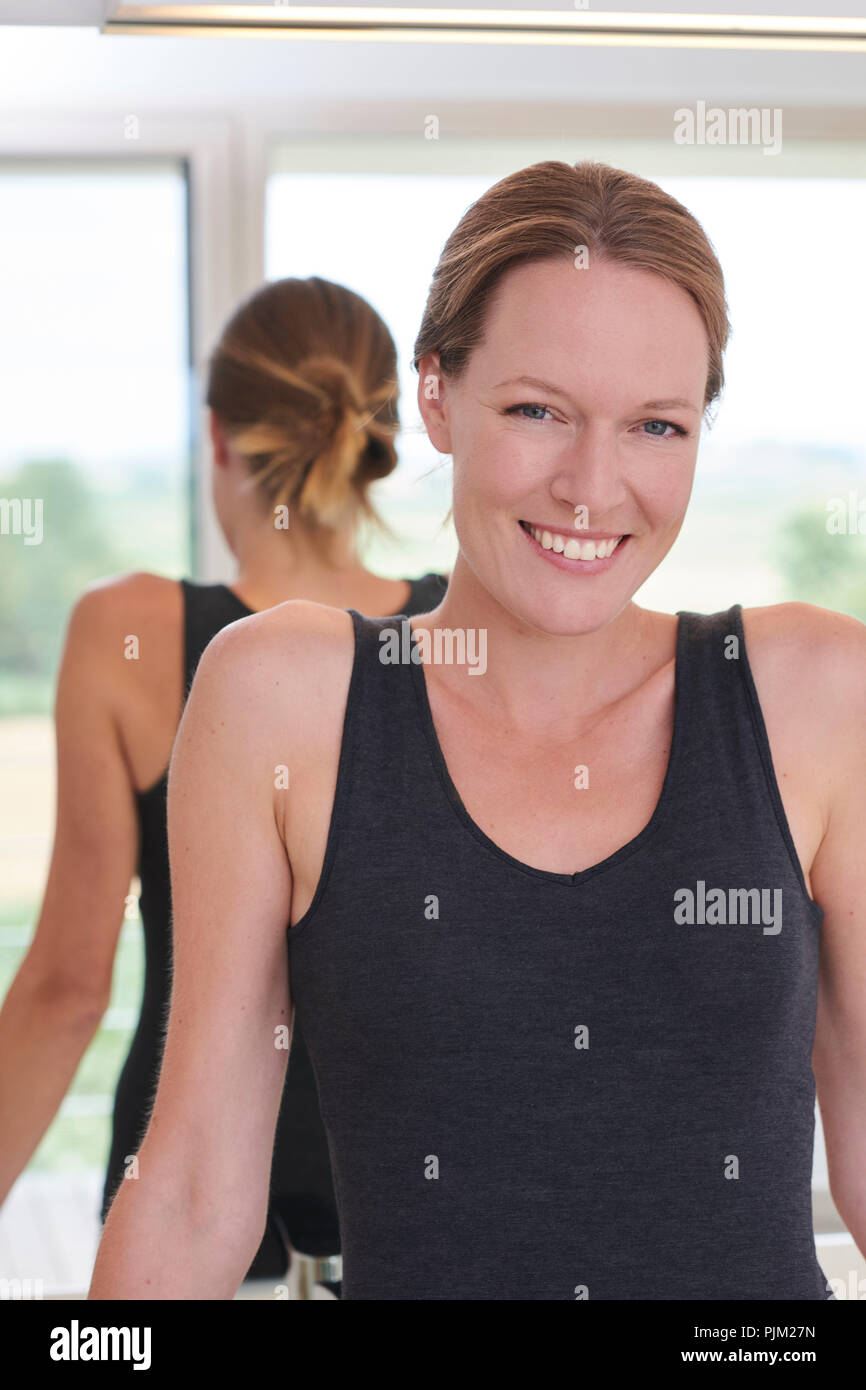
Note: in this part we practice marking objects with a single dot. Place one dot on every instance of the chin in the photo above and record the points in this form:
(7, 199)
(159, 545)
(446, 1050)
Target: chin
(567, 616)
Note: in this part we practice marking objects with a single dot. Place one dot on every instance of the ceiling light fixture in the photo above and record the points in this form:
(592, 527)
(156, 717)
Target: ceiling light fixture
(360, 23)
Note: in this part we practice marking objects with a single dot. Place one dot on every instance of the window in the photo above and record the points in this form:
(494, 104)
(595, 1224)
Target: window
(95, 477)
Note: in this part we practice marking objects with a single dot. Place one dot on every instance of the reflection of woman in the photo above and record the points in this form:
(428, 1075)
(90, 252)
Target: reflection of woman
(539, 1077)
(303, 392)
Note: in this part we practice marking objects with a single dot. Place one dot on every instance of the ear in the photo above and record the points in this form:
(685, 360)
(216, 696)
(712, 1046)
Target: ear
(432, 402)
(218, 440)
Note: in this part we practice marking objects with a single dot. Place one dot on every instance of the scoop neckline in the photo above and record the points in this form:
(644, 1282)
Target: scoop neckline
(618, 856)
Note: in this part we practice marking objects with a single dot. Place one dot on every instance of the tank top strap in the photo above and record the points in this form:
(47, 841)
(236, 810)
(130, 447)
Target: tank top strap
(726, 771)
(381, 712)
(207, 608)
(711, 714)
(714, 722)
(426, 593)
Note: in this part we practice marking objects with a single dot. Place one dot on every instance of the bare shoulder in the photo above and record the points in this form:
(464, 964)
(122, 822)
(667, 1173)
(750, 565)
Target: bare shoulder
(821, 652)
(278, 682)
(138, 610)
(298, 640)
(809, 668)
(152, 597)
(292, 663)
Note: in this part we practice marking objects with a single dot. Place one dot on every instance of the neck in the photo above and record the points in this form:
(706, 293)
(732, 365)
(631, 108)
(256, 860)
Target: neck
(273, 565)
(535, 679)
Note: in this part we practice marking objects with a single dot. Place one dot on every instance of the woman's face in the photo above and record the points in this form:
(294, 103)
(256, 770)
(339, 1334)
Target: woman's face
(607, 448)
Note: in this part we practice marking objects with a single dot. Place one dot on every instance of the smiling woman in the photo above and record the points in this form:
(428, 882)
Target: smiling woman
(590, 450)
(537, 1080)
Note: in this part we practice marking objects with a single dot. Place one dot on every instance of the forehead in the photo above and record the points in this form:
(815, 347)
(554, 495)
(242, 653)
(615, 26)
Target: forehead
(552, 320)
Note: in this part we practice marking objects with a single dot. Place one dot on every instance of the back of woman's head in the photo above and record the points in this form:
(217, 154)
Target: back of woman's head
(553, 209)
(304, 383)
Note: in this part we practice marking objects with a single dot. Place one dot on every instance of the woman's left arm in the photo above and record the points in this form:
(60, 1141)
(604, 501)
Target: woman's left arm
(838, 880)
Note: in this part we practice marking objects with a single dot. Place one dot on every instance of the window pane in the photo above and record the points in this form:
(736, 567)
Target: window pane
(94, 480)
(788, 437)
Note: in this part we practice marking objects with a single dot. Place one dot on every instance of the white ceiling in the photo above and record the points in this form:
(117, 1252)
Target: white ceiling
(53, 57)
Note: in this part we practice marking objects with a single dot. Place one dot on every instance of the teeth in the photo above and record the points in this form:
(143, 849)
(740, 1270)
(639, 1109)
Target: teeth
(575, 549)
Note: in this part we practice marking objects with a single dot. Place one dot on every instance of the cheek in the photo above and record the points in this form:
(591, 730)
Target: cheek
(501, 470)
(664, 490)
(484, 479)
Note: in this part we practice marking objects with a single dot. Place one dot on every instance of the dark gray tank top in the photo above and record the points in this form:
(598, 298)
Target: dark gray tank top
(543, 1085)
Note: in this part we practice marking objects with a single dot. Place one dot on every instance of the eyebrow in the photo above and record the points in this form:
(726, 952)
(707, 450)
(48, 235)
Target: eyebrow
(672, 404)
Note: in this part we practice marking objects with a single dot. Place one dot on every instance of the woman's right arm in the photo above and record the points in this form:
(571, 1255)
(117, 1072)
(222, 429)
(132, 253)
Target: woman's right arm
(187, 1225)
(62, 987)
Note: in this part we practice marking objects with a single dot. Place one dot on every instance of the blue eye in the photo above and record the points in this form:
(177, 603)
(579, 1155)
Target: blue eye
(529, 405)
(666, 424)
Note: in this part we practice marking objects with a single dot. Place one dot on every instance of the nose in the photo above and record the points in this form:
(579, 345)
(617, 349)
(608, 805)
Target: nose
(587, 478)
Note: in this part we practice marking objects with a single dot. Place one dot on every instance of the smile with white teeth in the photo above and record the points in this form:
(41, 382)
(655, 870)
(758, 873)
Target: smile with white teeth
(574, 549)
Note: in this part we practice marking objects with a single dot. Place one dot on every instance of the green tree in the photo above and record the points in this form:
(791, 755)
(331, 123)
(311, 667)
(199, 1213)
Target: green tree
(822, 568)
(41, 582)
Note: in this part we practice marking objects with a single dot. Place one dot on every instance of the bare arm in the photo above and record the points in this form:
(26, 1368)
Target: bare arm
(839, 885)
(188, 1226)
(54, 1004)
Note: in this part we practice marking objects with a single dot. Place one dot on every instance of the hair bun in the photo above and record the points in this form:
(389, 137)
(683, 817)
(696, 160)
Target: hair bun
(340, 393)
(347, 431)
(304, 382)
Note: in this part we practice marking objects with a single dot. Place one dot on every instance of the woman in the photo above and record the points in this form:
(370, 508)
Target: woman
(541, 1075)
(302, 393)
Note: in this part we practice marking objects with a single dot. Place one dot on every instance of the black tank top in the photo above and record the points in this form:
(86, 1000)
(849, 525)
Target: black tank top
(301, 1185)
(542, 1085)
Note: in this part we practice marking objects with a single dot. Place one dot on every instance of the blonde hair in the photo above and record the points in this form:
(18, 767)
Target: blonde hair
(550, 209)
(304, 381)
